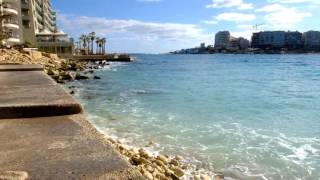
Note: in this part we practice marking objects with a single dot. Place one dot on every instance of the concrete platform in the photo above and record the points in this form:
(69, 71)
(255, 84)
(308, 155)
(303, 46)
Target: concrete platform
(27, 67)
(33, 94)
(37, 143)
(65, 147)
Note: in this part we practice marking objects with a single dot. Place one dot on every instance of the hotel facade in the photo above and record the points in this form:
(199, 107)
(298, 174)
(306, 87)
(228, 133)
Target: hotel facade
(33, 23)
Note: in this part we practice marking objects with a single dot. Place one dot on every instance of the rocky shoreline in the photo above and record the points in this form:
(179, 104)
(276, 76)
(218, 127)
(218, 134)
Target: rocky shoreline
(152, 166)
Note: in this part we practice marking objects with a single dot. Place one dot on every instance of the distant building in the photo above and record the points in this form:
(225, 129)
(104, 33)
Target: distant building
(222, 40)
(311, 40)
(268, 40)
(243, 43)
(238, 44)
(293, 40)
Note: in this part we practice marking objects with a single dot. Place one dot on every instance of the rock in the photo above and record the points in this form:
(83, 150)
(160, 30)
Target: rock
(144, 153)
(177, 171)
(96, 77)
(148, 175)
(13, 175)
(219, 177)
(81, 77)
(178, 158)
(137, 160)
(72, 92)
(160, 163)
(163, 159)
(35, 54)
(196, 177)
(174, 162)
(205, 177)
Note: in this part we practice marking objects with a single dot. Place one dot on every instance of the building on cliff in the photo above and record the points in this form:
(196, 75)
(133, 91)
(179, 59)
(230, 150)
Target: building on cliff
(33, 23)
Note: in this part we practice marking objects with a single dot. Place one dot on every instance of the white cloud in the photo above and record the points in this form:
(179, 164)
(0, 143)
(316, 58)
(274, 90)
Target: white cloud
(209, 22)
(271, 8)
(296, 1)
(132, 28)
(239, 4)
(235, 17)
(282, 18)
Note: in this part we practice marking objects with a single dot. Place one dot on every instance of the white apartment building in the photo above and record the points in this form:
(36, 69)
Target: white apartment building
(10, 22)
(33, 23)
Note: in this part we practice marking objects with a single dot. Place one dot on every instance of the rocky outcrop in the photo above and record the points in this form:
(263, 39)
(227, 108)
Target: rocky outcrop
(59, 69)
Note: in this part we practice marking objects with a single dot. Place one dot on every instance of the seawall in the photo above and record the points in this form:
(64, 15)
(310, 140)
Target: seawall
(44, 134)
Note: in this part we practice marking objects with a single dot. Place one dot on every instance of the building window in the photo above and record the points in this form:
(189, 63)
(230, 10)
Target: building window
(26, 24)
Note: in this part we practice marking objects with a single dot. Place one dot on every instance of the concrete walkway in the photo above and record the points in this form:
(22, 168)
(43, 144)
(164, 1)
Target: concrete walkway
(33, 146)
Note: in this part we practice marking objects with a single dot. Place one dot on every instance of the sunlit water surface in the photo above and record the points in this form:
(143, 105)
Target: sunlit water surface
(252, 116)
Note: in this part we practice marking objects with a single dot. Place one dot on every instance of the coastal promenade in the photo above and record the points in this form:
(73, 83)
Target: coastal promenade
(44, 134)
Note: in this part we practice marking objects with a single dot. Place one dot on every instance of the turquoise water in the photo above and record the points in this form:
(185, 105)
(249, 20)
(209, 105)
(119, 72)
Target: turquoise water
(249, 116)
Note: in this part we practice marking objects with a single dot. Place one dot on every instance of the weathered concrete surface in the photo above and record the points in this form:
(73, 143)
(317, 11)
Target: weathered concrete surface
(33, 94)
(30, 67)
(65, 147)
(50, 146)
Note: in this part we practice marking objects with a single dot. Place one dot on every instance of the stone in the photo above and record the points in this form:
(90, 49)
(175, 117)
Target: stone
(196, 177)
(81, 77)
(205, 177)
(177, 171)
(160, 163)
(137, 160)
(96, 77)
(219, 177)
(163, 159)
(35, 54)
(14, 175)
(174, 162)
(148, 175)
(144, 153)
(178, 158)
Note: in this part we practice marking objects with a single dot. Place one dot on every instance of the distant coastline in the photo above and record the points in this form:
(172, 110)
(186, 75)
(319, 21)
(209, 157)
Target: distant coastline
(248, 51)
(264, 42)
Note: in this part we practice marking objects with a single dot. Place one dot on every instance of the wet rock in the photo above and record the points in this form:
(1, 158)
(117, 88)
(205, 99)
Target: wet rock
(81, 77)
(96, 77)
(177, 171)
(137, 160)
(144, 153)
(174, 162)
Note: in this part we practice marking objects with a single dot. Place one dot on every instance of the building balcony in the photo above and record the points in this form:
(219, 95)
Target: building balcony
(11, 24)
(9, 9)
(13, 40)
(9, 1)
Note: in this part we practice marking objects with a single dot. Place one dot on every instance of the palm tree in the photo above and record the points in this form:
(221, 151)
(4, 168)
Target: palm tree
(83, 41)
(92, 36)
(98, 42)
(104, 41)
(88, 39)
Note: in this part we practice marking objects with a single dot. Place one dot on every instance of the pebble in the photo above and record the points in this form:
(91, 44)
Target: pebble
(205, 177)
(148, 175)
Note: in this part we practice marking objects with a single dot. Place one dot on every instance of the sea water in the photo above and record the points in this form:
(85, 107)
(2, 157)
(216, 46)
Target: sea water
(248, 116)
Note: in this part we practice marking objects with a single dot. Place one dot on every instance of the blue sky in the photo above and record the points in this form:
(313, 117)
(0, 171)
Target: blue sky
(157, 26)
